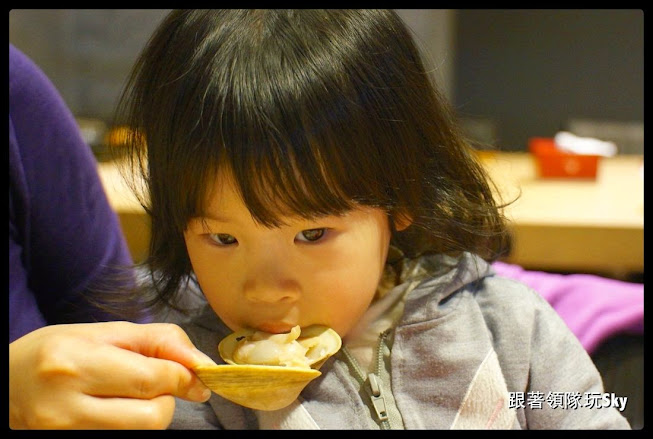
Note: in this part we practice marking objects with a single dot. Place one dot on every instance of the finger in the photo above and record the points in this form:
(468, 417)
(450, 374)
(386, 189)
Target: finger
(159, 340)
(116, 413)
(108, 370)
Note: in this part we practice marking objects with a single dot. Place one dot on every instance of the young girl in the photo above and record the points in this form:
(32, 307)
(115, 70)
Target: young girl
(302, 169)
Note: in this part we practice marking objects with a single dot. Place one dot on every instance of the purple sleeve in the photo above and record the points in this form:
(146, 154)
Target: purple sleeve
(595, 308)
(64, 237)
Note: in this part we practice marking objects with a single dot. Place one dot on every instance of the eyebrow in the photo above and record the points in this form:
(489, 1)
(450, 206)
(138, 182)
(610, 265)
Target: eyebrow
(213, 217)
(208, 217)
(203, 221)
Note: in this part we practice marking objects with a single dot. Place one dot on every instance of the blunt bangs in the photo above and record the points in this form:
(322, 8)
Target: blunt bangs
(300, 138)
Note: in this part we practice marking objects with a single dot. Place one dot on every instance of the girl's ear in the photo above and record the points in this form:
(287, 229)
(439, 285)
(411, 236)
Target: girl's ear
(401, 221)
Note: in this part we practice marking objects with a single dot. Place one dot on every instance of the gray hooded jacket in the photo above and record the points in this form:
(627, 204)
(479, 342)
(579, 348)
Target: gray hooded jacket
(472, 351)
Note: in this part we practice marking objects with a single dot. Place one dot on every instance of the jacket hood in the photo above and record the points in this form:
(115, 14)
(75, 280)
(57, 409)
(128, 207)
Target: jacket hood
(444, 275)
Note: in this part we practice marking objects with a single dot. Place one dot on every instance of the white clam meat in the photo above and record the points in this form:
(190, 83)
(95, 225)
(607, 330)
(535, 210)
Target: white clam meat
(268, 371)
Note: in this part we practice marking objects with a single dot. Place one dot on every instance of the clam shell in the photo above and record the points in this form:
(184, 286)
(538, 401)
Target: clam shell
(255, 386)
(268, 387)
(321, 341)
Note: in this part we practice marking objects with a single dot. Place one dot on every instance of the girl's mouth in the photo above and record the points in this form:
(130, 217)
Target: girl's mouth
(275, 327)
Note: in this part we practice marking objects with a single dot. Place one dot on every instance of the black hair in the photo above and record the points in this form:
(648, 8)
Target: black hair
(314, 112)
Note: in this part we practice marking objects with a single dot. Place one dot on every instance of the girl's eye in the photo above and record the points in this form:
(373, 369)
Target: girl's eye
(311, 235)
(223, 238)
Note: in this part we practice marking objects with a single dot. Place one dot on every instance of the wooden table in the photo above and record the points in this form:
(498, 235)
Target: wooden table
(133, 219)
(576, 225)
(558, 224)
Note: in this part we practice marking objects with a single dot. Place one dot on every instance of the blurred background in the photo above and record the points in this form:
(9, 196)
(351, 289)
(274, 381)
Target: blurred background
(510, 74)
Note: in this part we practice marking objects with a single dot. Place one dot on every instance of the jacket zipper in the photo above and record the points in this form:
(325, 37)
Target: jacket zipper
(375, 392)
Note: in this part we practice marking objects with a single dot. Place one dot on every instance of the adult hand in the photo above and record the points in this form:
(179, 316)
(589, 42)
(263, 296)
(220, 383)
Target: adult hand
(114, 375)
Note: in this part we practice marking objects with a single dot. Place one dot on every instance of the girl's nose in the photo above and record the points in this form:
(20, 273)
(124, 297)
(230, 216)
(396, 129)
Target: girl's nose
(269, 282)
(271, 290)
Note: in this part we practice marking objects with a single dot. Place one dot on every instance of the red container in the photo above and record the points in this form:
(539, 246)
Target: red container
(554, 163)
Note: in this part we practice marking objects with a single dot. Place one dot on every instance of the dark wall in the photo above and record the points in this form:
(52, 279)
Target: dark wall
(87, 53)
(526, 72)
(532, 71)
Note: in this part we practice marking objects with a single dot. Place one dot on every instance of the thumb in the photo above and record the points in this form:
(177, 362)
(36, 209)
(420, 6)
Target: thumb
(158, 340)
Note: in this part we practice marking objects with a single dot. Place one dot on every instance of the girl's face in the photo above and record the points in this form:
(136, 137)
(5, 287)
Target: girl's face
(322, 271)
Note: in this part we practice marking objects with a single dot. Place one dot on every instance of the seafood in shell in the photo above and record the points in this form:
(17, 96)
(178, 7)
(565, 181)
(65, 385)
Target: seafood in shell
(268, 371)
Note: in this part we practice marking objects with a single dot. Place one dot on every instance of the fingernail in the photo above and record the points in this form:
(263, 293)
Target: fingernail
(200, 394)
(205, 395)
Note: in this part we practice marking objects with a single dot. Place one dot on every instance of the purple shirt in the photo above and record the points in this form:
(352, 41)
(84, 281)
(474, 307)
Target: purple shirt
(595, 308)
(63, 234)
